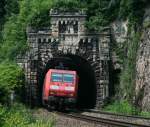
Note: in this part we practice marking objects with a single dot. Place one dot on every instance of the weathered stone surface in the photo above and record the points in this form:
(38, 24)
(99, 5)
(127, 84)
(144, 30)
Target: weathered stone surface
(119, 35)
(119, 31)
(143, 71)
(142, 88)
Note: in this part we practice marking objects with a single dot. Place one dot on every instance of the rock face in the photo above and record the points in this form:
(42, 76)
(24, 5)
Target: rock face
(119, 35)
(119, 31)
(143, 72)
(142, 87)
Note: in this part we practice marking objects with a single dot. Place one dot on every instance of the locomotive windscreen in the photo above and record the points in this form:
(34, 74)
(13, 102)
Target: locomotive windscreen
(68, 78)
(57, 77)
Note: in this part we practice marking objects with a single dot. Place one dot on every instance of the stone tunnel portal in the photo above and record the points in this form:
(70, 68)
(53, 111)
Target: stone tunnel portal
(86, 52)
(87, 83)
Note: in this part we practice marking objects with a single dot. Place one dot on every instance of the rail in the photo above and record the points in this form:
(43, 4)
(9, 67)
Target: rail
(102, 121)
(116, 114)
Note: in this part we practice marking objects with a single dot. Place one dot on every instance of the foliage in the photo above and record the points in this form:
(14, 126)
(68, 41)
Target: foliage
(2, 10)
(41, 20)
(69, 5)
(20, 116)
(10, 79)
(2, 113)
(133, 11)
(127, 78)
(122, 107)
(126, 108)
(11, 7)
(14, 32)
(146, 24)
(101, 13)
(13, 39)
(145, 114)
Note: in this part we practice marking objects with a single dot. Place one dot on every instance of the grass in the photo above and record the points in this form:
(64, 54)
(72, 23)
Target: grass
(146, 24)
(20, 116)
(124, 107)
(145, 114)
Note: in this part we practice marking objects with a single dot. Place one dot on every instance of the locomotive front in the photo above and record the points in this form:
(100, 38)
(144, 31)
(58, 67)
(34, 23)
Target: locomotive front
(60, 88)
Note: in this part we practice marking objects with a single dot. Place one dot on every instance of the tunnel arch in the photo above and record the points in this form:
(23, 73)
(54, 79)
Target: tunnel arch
(87, 82)
(82, 53)
(86, 53)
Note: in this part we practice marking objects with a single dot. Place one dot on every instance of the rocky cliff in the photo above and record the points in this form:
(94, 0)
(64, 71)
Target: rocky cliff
(142, 88)
(142, 70)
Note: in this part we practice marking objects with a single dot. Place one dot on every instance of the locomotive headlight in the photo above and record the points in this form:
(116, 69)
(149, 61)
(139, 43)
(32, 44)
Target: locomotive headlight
(51, 92)
(54, 87)
(71, 94)
(69, 88)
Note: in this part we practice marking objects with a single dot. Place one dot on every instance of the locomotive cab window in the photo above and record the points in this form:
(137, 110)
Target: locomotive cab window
(57, 77)
(68, 78)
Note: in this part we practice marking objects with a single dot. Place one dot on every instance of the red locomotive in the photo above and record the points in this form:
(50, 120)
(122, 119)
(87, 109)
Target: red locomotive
(60, 87)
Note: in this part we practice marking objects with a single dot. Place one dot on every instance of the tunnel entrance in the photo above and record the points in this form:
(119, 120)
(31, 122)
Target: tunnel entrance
(87, 82)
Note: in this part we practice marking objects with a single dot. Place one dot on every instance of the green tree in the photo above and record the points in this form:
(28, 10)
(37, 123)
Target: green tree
(14, 32)
(2, 17)
(11, 7)
(10, 79)
(2, 10)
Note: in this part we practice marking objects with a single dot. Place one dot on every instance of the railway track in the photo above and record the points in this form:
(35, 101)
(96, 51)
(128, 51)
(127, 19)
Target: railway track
(115, 114)
(119, 117)
(103, 121)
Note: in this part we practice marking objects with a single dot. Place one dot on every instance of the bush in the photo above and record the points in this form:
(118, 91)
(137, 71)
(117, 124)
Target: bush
(11, 79)
(122, 107)
(127, 77)
(13, 40)
(17, 117)
(20, 116)
(2, 114)
(69, 5)
(145, 114)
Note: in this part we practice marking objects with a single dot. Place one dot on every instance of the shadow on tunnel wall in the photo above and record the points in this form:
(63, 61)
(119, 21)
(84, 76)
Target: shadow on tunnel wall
(87, 84)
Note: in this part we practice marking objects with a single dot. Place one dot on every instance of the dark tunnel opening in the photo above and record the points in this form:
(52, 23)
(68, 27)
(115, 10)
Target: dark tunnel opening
(87, 84)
